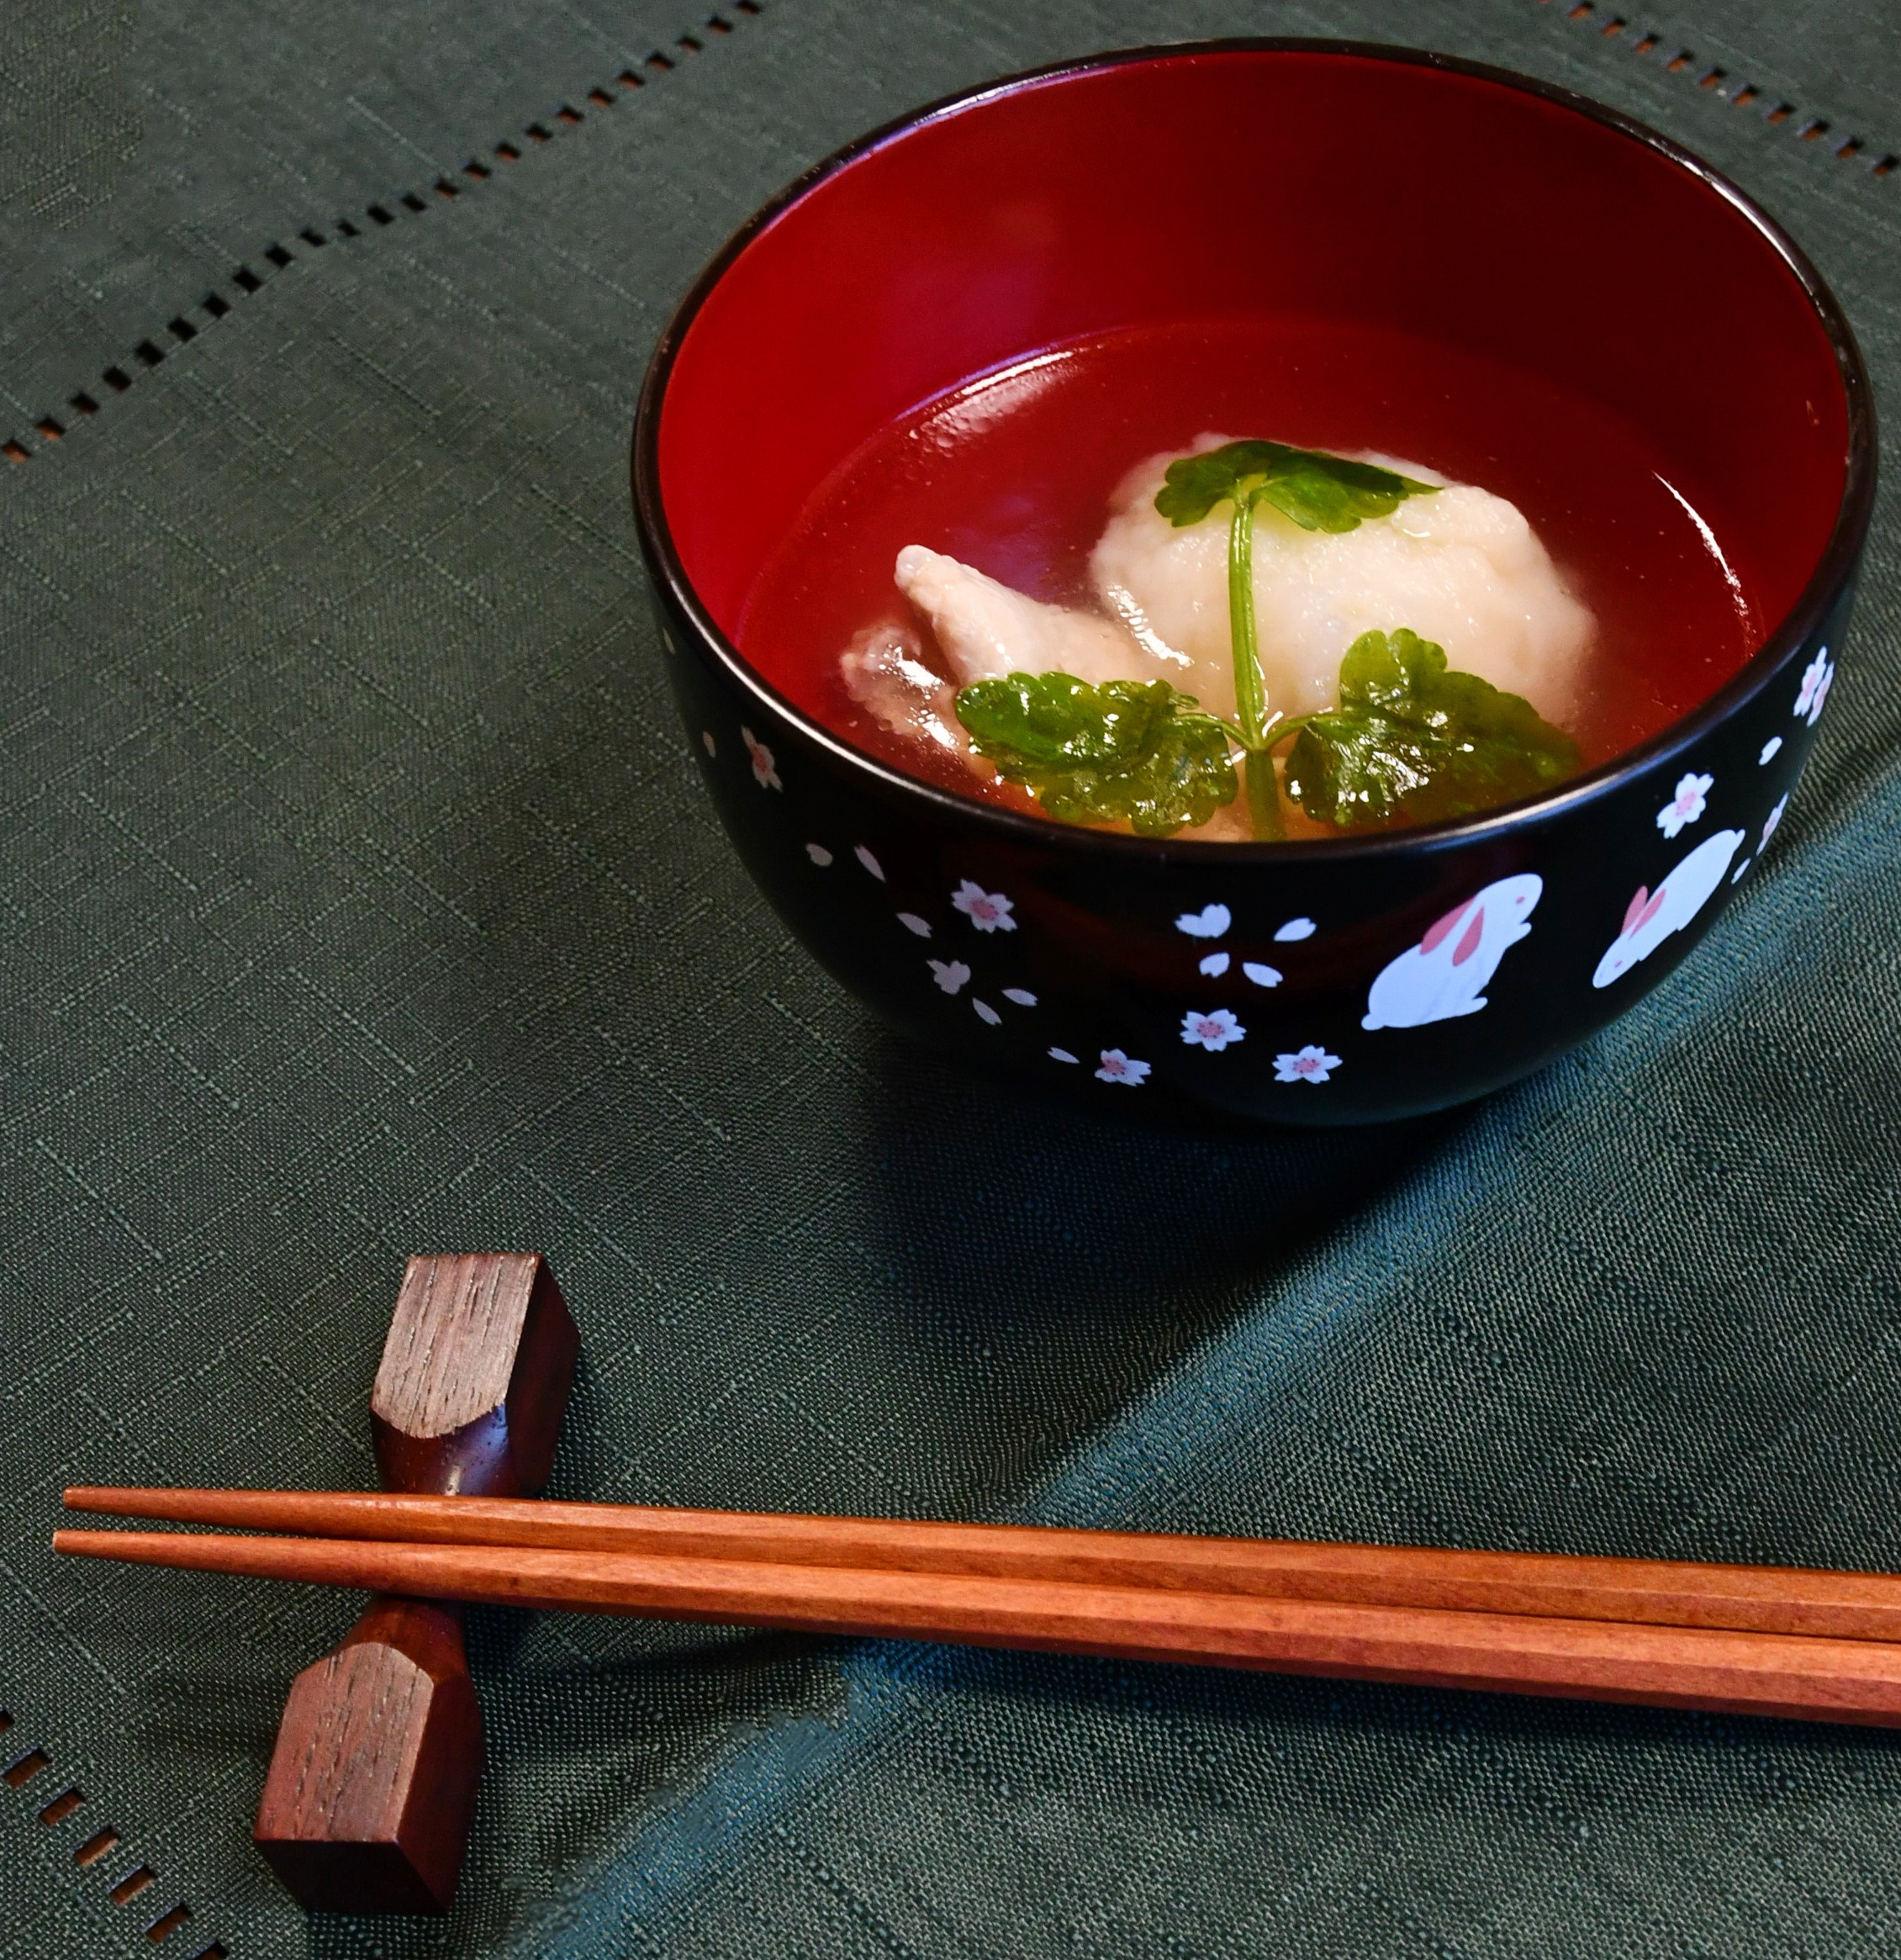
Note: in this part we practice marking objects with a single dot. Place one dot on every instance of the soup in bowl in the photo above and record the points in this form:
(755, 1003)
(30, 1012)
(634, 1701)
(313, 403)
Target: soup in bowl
(1292, 577)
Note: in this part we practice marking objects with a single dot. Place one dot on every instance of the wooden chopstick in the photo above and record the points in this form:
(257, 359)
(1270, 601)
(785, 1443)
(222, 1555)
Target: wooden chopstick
(1748, 1673)
(1742, 1598)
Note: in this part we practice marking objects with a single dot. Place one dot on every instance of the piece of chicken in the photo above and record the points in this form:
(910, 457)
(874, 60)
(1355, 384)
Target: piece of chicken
(886, 673)
(986, 630)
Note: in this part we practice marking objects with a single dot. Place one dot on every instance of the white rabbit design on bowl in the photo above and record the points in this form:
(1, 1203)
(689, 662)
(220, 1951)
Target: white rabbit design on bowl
(1652, 916)
(1447, 973)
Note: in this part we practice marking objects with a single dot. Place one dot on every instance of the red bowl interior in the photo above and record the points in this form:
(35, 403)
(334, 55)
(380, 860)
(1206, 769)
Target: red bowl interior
(1259, 181)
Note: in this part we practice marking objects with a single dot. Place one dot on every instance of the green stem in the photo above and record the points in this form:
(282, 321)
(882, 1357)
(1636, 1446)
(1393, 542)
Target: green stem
(1250, 689)
(1263, 796)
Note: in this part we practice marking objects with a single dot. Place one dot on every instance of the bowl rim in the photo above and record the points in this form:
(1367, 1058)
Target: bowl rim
(1834, 568)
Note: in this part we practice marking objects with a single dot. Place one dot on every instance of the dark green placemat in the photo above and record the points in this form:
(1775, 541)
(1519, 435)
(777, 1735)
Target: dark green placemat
(359, 898)
(152, 156)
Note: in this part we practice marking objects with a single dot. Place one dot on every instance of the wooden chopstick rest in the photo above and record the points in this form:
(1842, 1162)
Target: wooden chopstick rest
(368, 1800)
(1748, 1673)
(1743, 1599)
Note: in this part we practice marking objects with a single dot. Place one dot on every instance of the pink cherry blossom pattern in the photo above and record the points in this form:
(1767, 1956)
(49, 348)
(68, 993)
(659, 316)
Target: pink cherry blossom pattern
(1261, 974)
(1686, 805)
(1062, 1055)
(870, 862)
(1774, 817)
(989, 912)
(763, 773)
(819, 855)
(1814, 690)
(1213, 964)
(986, 1012)
(1117, 1067)
(1021, 996)
(1301, 929)
(1770, 749)
(912, 923)
(1212, 1031)
(1306, 1065)
(951, 974)
(707, 742)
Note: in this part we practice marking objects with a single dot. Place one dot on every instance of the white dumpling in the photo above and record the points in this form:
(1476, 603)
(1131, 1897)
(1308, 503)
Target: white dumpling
(986, 630)
(1461, 567)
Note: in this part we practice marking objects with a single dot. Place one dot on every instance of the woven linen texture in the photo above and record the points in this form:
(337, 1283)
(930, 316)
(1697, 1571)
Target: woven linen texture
(359, 899)
(148, 151)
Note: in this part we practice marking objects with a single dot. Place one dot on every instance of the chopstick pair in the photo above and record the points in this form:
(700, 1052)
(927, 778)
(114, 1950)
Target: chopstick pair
(1752, 1640)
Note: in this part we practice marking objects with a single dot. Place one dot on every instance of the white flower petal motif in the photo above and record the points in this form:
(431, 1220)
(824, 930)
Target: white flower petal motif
(819, 855)
(763, 773)
(1295, 929)
(1021, 996)
(1209, 923)
(1261, 975)
(707, 742)
(1814, 690)
(1117, 1067)
(951, 974)
(1213, 1032)
(870, 862)
(1306, 1065)
(1213, 964)
(989, 912)
(1061, 1054)
(1686, 805)
(1774, 817)
(1770, 749)
(1736, 876)
(985, 1011)
(912, 923)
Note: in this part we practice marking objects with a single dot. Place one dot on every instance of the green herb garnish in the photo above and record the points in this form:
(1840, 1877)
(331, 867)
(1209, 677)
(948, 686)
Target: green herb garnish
(1129, 751)
(1319, 492)
(1412, 740)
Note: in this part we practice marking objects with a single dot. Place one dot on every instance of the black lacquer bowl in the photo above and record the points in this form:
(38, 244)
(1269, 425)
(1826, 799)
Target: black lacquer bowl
(1339, 980)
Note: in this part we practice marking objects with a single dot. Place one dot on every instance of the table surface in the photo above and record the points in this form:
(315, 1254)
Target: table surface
(359, 899)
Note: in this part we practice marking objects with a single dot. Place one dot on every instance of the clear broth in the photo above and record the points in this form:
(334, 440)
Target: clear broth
(1013, 473)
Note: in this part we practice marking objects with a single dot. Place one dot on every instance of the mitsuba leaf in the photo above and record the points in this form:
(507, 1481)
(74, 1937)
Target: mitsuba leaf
(1412, 742)
(1133, 752)
(1319, 492)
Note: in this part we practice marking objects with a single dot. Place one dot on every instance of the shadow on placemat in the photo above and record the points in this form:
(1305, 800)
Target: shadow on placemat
(1003, 1206)
(1045, 1265)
